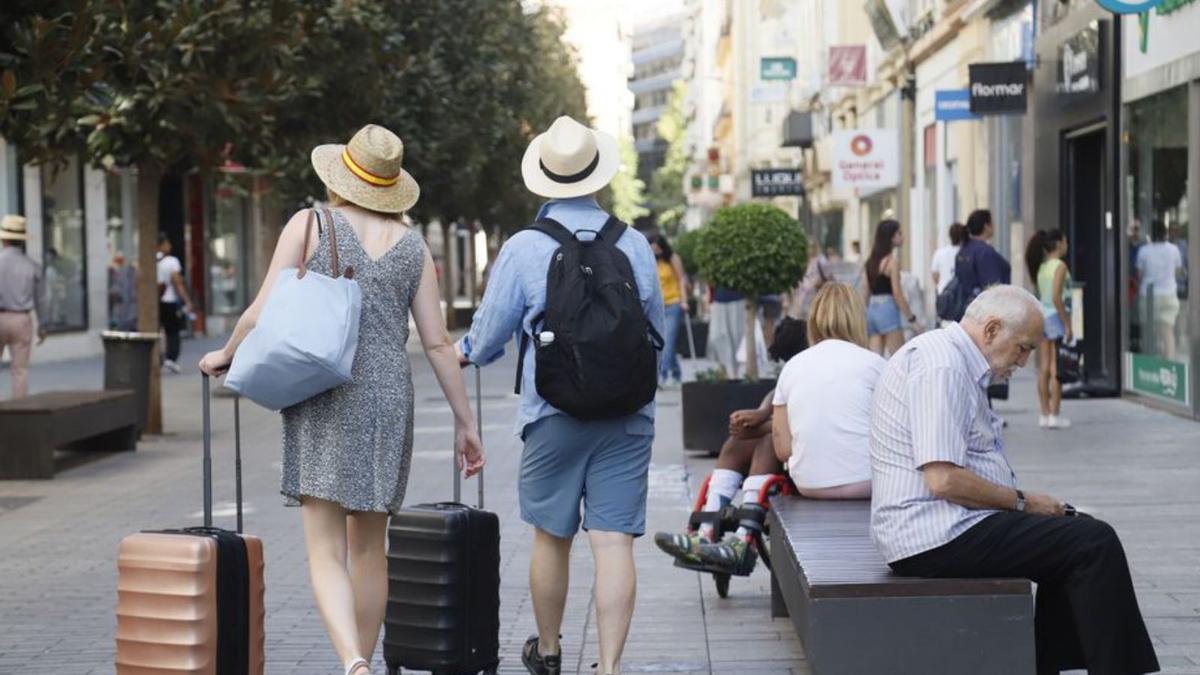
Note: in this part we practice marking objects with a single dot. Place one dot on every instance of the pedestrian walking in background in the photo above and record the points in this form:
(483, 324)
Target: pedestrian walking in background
(978, 265)
(673, 281)
(347, 451)
(22, 293)
(600, 464)
(122, 295)
(726, 326)
(817, 274)
(887, 307)
(174, 304)
(1158, 268)
(941, 266)
(1044, 260)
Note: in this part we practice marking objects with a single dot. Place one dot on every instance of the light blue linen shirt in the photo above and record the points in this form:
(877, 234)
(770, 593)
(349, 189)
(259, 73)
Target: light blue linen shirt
(516, 293)
(930, 405)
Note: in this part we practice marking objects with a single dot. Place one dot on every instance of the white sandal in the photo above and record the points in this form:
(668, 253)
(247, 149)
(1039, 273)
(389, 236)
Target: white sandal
(356, 664)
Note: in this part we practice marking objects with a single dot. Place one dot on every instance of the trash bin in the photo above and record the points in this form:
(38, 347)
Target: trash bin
(127, 366)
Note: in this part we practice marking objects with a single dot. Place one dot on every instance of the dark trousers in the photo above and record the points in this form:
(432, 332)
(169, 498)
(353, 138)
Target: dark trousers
(1086, 616)
(172, 323)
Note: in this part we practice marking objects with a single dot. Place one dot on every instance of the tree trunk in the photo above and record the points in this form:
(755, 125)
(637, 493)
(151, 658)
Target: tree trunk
(448, 272)
(149, 181)
(751, 340)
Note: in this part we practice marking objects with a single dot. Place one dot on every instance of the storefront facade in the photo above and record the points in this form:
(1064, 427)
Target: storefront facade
(1075, 153)
(83, 230)
(1160, 191)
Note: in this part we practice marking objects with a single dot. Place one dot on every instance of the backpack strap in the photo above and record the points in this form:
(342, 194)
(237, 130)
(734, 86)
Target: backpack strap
(612, 231)
(553, 229)
(521, 353)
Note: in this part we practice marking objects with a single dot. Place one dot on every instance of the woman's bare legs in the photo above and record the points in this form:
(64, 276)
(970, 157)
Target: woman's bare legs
(875, 344)
(325, 539)
(366, 536)
(892, 342)
(1045, 357)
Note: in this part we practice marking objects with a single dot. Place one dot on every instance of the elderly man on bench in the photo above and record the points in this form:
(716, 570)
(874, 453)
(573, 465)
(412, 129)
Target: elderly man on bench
(946, 502)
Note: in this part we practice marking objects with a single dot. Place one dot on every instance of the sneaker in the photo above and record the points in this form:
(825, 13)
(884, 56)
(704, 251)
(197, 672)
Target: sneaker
(685, 547)
(733, 556)
(536, 664)
(1043, 421)
(1057, 422)
(172, 366)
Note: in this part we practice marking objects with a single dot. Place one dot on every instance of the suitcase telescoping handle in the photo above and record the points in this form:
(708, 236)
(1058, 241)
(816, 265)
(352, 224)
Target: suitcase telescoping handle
(237, 456)
(454, 454)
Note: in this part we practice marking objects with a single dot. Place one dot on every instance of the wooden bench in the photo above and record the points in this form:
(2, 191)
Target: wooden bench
(33, 428)
(855, 616)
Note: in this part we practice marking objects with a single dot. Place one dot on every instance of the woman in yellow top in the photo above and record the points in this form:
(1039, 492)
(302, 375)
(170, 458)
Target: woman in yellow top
(674, 283)
(1044, 260)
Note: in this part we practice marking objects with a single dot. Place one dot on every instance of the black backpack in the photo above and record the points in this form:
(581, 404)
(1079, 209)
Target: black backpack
(596, 351)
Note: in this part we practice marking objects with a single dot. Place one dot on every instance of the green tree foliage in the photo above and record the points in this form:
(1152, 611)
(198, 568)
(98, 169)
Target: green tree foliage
(685, 245)
(624, 194)
(754, 249)
(666, 199)
(181, 85)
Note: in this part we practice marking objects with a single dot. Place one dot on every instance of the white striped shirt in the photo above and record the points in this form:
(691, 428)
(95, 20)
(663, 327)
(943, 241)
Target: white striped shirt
(931, 406)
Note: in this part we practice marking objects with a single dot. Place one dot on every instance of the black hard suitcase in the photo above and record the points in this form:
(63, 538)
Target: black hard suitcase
(443, 611)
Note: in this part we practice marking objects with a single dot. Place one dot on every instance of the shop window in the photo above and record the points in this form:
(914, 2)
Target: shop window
(121, 229)
(227, 248)
(64, 246)
(1158, 230)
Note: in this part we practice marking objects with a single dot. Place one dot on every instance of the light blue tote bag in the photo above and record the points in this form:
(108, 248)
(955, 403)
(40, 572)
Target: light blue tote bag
(306, 336)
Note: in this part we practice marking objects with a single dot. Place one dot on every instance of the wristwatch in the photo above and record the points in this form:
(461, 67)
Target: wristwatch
(912, 318)
(1020, 502)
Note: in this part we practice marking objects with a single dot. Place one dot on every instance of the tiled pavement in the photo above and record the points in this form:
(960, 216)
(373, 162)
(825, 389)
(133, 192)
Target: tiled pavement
(1136, 467)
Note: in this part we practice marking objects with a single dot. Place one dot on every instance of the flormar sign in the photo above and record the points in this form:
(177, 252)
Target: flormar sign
(865, 159)
(998, 88)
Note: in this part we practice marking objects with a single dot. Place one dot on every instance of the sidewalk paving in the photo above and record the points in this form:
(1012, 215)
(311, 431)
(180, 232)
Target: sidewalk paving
(1136, 467)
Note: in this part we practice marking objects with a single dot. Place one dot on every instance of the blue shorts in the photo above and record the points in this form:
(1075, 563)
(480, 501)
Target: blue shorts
(883, 315)
(602, 465)
(1053, 327)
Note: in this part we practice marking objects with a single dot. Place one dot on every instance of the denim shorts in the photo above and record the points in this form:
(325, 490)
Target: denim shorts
(1053, 327)
(883, 315)
(600, 468)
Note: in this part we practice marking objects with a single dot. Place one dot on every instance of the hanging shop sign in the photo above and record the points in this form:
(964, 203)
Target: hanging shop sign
(847, 66)
(865, 159)
(1129, 6)
(777, 68)
(1079, 62)
(952, 105)
(776, 182)
(998, 88)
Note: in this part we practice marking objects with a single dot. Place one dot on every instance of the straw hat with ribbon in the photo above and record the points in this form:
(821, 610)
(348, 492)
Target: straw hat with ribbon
(366, 171)
(12, 228)
(570, 160)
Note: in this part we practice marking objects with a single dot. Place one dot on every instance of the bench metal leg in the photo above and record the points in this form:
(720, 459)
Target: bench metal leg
(779, 608)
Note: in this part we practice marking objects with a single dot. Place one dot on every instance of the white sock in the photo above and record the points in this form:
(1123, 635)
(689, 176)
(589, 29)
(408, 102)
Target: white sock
(751, 489)
(722, 487)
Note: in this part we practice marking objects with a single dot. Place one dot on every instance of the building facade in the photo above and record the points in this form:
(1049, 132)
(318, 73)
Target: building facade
(657, 62)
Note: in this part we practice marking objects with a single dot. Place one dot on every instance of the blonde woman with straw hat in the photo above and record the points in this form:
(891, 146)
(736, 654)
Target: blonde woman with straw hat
(347, 452)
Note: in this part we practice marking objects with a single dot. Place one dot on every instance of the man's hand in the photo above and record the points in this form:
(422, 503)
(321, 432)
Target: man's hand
(41, 335)
(1044, 505)
(463, 361)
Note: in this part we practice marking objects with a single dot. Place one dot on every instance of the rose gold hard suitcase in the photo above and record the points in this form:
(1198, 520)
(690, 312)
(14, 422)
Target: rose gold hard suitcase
(190, 601)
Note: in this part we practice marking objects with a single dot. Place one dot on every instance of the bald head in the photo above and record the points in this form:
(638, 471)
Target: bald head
(1005, 322)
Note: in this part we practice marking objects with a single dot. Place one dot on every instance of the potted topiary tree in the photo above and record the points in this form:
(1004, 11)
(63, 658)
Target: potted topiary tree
(685, 246)
(755, 250)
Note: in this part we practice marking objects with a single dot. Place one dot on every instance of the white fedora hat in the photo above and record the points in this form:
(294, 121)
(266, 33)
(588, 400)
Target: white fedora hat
(570, 160)
(12, 228)
(367, 170)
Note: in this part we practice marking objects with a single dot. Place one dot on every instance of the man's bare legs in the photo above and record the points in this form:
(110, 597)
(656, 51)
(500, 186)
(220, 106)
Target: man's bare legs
(616, 591)
(549, 574)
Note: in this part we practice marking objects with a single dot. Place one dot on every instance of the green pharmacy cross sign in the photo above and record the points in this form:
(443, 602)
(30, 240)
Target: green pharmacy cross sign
(777, 68)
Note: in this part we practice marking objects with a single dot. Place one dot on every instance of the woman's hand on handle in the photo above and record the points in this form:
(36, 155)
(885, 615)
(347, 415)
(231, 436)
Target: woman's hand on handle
(215, 363)
(468, 450)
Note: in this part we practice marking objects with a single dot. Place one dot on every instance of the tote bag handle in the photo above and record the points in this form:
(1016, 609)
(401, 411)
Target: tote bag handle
(302, 268)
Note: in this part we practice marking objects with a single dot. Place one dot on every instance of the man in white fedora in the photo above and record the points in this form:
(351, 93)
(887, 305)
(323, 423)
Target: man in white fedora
(21, 293)
(589, 472)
